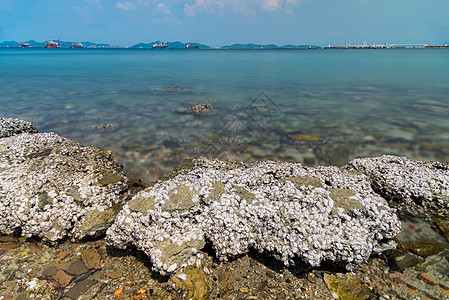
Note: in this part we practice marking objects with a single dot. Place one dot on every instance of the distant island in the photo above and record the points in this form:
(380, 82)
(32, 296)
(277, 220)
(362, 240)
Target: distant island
(180, 45)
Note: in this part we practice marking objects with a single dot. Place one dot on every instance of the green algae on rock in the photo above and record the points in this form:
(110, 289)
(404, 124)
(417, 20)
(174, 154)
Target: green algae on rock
(347, 287)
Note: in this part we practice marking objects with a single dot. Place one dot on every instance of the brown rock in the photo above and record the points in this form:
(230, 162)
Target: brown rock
(114, 275)
(8, 246)
(62, 278)
(8, 239)
(399, 280)
(428, 278)
(77, 268)
(63, 254)
(80, 288)
(49, 271)
(91, 258)
(305, 137)
(425, 248)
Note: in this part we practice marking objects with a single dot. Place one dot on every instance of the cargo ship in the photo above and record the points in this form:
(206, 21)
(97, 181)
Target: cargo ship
(52, 44)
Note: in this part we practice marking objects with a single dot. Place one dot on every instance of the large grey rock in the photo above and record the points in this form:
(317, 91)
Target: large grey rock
(293, 212)
(416, 187)
(53, 188)
(10, 127)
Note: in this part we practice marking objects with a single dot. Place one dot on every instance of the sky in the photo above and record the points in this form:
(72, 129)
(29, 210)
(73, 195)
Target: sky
(224, 22)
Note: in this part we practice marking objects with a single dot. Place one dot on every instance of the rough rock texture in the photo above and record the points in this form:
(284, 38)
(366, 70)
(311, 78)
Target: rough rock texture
(10, 127)
(296, 213)
(417, 187)
(54, 188)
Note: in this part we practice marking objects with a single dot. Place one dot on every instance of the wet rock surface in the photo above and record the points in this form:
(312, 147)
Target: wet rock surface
(10, 127)
(55, 188)
(416, 187)
(299, 215)
(127, 275)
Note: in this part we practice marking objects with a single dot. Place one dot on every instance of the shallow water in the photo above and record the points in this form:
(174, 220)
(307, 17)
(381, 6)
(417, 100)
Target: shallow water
(342, 103)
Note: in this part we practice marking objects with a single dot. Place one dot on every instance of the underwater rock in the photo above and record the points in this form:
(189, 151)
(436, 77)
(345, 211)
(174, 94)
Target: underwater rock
(10, 127)
(294, 213)
(55, 188)
(170, 89)
(416, 187)
(200, 108)
(100, 127)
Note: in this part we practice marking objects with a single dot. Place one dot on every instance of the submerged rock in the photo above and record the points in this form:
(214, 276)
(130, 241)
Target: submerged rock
(295, 213)
(416, 187)
(170, 89)
(200, 108)
(10, 127)
(55, 188)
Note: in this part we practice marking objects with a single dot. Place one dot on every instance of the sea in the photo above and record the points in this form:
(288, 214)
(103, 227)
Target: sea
(315, 107)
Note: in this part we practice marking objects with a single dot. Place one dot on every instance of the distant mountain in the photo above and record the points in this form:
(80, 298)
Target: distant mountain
(249, 46)
(9, 44)
(171, 45)
(267, 47)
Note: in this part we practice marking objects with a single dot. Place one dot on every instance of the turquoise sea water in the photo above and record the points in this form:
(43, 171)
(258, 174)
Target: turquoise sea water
(309, 106)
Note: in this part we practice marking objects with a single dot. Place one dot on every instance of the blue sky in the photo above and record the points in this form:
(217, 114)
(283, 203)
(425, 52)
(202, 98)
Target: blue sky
(217, 23)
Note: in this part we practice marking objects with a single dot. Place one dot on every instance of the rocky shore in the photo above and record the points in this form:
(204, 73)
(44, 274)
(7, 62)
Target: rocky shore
(74, 226)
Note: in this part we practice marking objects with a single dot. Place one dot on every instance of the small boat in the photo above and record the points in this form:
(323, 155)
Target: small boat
(52, 44)
(190, 46)
(26, 45)
(77, 45)
(160, 46)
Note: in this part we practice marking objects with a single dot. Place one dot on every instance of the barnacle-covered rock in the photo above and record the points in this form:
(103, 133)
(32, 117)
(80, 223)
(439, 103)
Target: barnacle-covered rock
(295, 213)
(416, 187)
(10, 127)
(55, 188)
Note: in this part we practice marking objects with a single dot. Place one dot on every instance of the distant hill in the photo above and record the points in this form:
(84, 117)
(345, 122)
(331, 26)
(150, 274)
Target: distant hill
(9, 44)
(171, 45)
(249, 46)
(267, 47)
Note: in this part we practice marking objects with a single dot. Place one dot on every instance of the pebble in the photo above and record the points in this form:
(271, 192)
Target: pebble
(62, 278)
(8, 239)
(305, 137)
(91, 258)
(79, 288)
(428, 278)
(63, 255)
(77, 268)
(49, 271)
(114, 275)
(244, 289)
(8, 246)
(425, 248)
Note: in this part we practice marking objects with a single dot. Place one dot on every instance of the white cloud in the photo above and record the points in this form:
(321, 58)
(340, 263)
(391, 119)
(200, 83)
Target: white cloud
(271, 4)
(125, 5)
